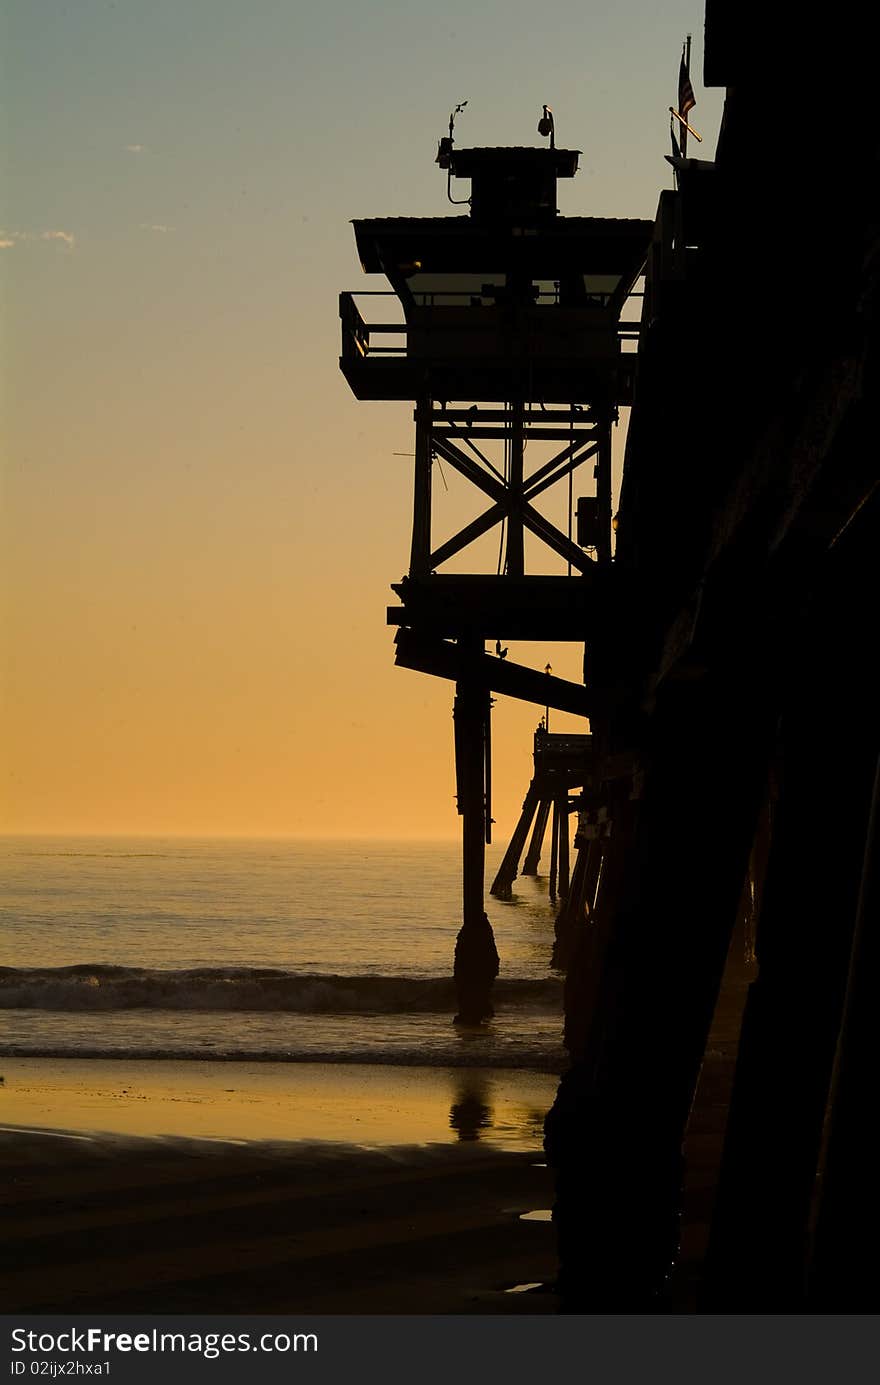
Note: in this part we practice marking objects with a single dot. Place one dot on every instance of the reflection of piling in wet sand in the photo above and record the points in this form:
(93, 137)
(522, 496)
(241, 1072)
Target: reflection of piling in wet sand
(471, 1114)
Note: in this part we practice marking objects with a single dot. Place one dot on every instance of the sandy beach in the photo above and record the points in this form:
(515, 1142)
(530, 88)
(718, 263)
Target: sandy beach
(163, 1187)
(168, 1187)
(132, 1185)
(353, 1103)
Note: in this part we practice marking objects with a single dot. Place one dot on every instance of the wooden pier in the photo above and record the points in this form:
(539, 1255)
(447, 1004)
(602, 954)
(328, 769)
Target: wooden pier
(731, 690)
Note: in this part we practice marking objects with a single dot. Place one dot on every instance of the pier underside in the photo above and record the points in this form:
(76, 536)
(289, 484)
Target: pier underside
(746, 692)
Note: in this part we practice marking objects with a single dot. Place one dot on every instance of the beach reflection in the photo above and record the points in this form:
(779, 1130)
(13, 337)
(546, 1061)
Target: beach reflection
(350, 1103)
(470, 1113)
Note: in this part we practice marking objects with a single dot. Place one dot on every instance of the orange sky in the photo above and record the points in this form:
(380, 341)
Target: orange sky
(200, 523)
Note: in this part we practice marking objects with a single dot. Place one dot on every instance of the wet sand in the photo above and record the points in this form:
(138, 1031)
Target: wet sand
(353, 1103)
(250, 1190)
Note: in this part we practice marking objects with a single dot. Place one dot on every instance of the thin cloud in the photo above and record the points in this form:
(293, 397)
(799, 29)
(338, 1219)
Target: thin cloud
(68, 238)
(156, 226)
(135, 148)
(10, 238)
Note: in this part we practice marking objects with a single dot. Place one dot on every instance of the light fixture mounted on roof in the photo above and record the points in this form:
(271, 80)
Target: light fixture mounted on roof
(547, 127)
(444, 155)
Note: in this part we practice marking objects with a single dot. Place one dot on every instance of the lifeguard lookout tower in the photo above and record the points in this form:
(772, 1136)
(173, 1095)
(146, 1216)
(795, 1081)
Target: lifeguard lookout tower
(511, 339)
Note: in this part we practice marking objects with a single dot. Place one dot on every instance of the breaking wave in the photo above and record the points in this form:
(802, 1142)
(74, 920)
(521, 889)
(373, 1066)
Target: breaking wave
(102, 988)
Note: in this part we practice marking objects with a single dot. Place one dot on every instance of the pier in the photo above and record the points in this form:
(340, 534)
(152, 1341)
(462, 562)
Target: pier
(730, 740)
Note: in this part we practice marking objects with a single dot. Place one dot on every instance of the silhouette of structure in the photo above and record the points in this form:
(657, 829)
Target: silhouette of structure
(746, 549)
(511, 340)
(731, 682)
(562, 763)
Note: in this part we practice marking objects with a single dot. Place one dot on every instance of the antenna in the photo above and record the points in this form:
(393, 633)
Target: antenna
(444, 156)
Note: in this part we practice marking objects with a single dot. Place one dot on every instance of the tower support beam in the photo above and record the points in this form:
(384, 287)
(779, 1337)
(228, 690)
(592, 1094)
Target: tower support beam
(420, 551)
(515, 566)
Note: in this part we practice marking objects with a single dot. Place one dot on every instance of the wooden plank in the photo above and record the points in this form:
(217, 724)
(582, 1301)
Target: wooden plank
(535, 487)
(580, 440)
(445, 660)
(539, 434)
(481, 525)
(541, 416)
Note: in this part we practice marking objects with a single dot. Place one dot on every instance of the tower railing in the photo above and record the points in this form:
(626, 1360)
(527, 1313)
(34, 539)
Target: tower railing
(447, 320)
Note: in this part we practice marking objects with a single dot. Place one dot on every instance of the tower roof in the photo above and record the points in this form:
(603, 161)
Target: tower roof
(449, 244)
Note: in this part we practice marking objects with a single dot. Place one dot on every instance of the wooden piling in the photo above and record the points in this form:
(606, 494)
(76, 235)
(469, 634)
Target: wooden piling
(554, 851)
(578, 903)
(638, 1017)
(564, 844)
(476, 957)
(507, 871)
(758, 1251)
(844, 1275)
(533, 855)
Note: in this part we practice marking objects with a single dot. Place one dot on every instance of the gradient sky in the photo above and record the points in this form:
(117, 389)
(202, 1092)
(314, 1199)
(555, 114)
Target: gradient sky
(200, 522)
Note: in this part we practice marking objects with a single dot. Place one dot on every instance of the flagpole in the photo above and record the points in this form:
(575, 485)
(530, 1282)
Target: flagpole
(673, 114)
(684, 128)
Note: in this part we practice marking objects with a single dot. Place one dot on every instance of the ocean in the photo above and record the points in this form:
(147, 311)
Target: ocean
(266, 951)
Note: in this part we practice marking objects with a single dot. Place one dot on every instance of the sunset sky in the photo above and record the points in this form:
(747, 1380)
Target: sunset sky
(200, 522)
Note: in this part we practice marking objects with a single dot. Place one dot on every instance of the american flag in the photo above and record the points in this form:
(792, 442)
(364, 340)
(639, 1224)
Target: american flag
(686, 98)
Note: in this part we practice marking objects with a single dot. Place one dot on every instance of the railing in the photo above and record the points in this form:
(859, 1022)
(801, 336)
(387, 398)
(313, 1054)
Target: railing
(447, 326)
(358, 336)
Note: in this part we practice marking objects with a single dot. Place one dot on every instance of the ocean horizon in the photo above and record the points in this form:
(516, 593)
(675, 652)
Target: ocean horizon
(262, 948)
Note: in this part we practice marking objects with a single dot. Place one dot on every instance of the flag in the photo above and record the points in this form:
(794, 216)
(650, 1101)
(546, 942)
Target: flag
(686, 98)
